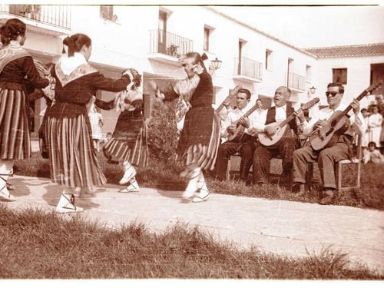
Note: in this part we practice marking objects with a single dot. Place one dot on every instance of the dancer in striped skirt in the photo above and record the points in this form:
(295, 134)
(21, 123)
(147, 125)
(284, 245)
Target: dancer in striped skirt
(200, 136)
(67, 131)
(128, 142)
(17, 71)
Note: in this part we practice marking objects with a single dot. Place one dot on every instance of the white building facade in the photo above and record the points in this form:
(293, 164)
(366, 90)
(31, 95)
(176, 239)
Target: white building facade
(355, 66)
(150, 38)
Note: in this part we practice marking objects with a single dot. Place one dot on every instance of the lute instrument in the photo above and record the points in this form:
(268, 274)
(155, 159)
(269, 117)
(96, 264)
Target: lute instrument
(269, 140)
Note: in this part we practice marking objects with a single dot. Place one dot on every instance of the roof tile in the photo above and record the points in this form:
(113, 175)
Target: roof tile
(348, 51)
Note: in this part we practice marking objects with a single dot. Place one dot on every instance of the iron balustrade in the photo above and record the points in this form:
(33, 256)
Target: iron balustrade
(169, 43)
(249, 68)
(296, 81)
(57, 15)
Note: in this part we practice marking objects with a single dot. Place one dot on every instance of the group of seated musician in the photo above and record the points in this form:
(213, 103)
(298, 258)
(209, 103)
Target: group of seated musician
(274, 133)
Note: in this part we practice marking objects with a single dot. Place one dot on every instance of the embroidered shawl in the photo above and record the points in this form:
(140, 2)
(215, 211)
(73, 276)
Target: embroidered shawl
(11, 52)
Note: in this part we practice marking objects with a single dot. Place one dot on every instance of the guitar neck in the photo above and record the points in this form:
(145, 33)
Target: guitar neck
(349, 107)
(221, 106)
(250, 111)
(246, 114)
(292, 115)
(289, 118)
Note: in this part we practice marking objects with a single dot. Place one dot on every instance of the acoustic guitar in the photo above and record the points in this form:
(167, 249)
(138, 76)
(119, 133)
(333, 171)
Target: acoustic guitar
(239, 131)
(322, 136)
(270, 140)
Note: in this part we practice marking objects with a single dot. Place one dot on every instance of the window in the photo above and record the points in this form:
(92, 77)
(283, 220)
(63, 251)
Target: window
(339, 75)
(308, 73)
(106, 11)
(162, 34)
(241, 50)
(207, 32)
(163, 20)
(290, 65)
(268, 59)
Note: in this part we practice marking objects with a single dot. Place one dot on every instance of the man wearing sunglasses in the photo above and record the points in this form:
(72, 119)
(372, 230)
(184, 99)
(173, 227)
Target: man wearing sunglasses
(338, 150)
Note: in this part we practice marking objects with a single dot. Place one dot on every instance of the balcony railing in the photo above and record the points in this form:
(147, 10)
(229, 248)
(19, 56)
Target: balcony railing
(296, 81)
(57, 15)
(248, 68)
(169, 44)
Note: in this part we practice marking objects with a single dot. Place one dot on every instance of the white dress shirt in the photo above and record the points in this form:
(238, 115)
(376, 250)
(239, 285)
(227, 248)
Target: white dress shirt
(325, 113)
(233, 116)
(281, 115)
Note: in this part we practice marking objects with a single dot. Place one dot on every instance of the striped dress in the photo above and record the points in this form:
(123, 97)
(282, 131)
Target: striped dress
(200, 136)
(68, 130)
(17, 71)
(128, 142)
(129, 139)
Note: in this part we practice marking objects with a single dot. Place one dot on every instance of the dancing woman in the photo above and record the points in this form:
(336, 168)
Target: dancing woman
(17, 70)
(128, 142)
(200, 136)
(68, 131)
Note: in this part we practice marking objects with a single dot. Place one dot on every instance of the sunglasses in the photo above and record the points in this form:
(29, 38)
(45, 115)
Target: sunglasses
(333, 94)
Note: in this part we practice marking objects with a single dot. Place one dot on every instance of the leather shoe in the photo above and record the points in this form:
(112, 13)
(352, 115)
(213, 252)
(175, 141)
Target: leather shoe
(298, 189)
(328, 197)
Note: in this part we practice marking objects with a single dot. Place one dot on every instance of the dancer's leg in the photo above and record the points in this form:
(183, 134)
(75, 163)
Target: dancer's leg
(203, 192)
(6, 170)
(129, 173)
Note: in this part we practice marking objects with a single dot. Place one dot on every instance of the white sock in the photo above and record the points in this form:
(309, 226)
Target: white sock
(6, 169)
(192, 185)
(202, 186)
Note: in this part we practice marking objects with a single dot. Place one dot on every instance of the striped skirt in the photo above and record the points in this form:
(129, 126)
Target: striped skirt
(14, 128)
(204, 155)
(71, 153)
(136, 154)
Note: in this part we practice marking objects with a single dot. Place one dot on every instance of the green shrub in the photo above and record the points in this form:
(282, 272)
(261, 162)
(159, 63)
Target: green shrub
(162, 132)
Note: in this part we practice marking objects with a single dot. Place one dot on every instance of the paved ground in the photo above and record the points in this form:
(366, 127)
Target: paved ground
(282, 227)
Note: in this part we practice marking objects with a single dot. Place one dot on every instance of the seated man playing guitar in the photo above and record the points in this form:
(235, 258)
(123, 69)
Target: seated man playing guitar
(284, 147)
(236, 144)
(338, 148)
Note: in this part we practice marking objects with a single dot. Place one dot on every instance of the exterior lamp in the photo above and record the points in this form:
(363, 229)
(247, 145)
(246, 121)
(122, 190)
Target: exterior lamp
(312, 90)
(215, 64)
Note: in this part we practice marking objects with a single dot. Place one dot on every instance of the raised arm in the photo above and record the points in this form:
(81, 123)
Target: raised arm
(99, 82)
(105, 105)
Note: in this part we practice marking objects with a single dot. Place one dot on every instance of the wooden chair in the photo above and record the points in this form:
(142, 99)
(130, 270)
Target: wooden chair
(345, 168)
(233, 168)
(348, 171)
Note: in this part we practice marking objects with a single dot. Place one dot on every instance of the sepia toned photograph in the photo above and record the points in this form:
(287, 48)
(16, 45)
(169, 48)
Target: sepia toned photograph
(174, 141)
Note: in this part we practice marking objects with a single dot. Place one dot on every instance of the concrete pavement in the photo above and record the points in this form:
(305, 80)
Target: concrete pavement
(282, 227)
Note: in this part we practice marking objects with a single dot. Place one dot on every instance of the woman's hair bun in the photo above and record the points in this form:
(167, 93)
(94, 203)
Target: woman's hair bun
(204, 57)
(68, 41)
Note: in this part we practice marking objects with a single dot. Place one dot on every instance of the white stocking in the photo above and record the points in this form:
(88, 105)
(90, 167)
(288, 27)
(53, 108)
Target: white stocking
(129, 173)
(6, 170)
(192, 186)
(202, 186)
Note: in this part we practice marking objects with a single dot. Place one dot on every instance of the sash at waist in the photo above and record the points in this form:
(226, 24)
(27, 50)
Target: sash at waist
(12, 85)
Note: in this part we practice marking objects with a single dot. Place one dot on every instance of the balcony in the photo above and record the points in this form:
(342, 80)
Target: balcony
(248, 70)
(51, 19)
(296, 82)
(167, 47)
